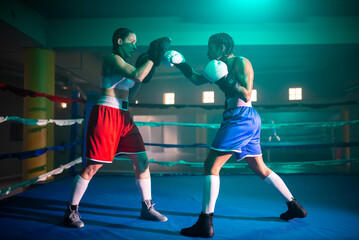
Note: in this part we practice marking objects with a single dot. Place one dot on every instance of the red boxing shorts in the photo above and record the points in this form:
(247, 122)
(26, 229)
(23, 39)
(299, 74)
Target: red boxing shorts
(111, 132)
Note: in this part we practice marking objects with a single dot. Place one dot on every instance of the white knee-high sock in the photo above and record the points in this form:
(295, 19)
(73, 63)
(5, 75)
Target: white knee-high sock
(210, 193)
(79, 187)
(144, 187)
(275, 181)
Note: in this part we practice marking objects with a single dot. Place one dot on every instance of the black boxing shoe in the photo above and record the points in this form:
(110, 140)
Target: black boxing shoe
(202, 228)
(295, 210)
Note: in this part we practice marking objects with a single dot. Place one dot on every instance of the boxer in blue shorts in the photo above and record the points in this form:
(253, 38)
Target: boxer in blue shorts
(239, 134)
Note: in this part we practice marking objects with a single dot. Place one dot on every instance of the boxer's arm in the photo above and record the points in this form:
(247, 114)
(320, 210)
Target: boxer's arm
(244, 75)
(142, 60)
(174, 58)
(133, 92)
(189, 73)
(118, 65)
(197, 79)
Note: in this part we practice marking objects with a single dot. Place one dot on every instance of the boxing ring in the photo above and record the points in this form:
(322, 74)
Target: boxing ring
(247, 208)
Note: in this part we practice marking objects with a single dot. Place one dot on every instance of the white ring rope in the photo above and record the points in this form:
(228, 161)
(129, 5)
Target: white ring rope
(243, 165)
(61, 122)
(41, 122)
(43, 177)
(264, 125)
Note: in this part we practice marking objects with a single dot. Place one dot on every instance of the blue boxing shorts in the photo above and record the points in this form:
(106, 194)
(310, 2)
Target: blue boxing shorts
(239, 133)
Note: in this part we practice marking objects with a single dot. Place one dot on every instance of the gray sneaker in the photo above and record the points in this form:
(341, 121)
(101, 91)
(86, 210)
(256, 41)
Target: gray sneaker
(72, 217)
(148, 212)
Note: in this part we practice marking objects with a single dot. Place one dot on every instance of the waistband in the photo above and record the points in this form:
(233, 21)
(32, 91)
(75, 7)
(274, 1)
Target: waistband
(237, 102)
(113, 102)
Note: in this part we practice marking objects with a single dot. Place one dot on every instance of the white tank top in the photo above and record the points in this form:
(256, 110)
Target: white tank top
(237, 102)
(117, 81)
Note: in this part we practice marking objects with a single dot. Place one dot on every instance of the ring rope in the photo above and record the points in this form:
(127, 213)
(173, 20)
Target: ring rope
(7, 190)
(24, 93)
(244, 165)
(160, 124)
(266, 145)
(43, 177)
(61, 122)
(41, 122)
(264, 125)
(211, 107)
(39, 152)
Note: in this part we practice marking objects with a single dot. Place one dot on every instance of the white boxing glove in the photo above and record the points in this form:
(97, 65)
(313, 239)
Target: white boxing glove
(172, 57)
(215, 70)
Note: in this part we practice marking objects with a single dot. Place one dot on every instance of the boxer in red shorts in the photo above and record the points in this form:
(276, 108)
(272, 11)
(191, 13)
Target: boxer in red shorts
(111, 130)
